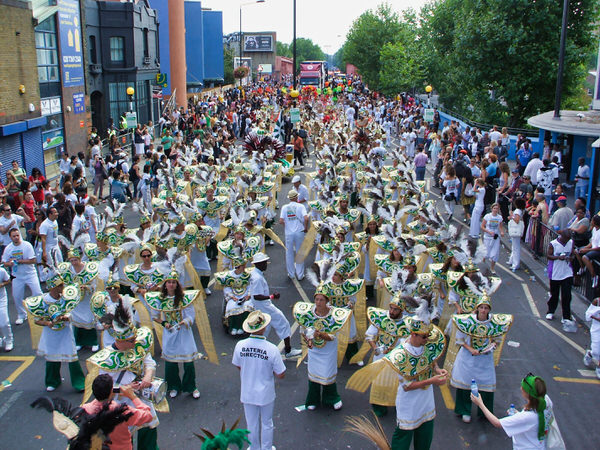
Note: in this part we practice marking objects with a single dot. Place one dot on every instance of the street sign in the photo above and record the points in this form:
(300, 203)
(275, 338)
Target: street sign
(131, 119)
(161, 79)
(428, 116)
(295, 115)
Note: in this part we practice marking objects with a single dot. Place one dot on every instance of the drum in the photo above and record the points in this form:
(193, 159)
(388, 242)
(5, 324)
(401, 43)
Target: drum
(156, 392)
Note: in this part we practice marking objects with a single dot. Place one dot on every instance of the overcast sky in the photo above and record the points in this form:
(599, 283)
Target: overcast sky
(326, 22)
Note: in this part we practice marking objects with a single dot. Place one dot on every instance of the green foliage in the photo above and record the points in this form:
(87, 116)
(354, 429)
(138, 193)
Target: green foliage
(283, 49)
(499, 58)
(367, 37)
(228, 55)
(400, 71)
(338, 59)
(306, 50)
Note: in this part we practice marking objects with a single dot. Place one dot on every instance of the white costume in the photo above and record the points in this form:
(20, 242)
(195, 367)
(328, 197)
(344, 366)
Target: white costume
(24, 274)
(293, 215)
(259, 286)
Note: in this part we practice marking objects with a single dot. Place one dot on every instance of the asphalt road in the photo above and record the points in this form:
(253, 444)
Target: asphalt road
(543, 348)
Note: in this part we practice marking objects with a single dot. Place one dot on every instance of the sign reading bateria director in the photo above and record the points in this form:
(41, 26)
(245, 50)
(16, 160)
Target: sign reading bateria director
(258, 43)
(71, 55)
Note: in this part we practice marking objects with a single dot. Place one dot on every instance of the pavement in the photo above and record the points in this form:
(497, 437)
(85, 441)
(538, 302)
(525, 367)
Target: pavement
(535, 345)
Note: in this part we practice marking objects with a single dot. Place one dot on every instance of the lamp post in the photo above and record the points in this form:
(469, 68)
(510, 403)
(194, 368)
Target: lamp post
(561, 60)
(428, 89)
(130, 92)
(294, 49)
(241, 48)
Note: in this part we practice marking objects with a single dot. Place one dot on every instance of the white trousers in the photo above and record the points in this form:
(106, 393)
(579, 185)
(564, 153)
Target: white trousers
(18, 291)
(492, 247)
(5, 329)
(259, 420)
(476, 221)
(515, 254)
(449, 205)
(293, 242)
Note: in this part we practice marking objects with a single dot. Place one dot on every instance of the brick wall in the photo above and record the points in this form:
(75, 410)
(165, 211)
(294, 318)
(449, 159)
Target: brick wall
(18, 63)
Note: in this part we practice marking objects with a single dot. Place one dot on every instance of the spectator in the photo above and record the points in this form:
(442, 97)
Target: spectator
(298, 148)
(545, 178)
(17, 172)
(590, 254)
(579, 227)
(420, 164)
(450, 186)
(560, 219)
(118, 186)
(559, 191)
(560, 272)
(523, 156)
(532, 168)
(100, 174)
(582, 178)
(35, 182)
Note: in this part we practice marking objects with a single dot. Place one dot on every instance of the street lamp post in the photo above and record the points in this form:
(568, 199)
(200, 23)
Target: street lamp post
(294, 49)
(561, 60)
(241, 48)
(130, 92)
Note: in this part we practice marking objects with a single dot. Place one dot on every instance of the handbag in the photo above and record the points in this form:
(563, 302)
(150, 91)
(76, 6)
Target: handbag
(554, 440)
(469, 192)
(515, 229)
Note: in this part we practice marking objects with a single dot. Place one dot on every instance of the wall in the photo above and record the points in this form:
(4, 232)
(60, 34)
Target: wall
(19, 61)
(212, 25)
(194, 44)
(162, 8)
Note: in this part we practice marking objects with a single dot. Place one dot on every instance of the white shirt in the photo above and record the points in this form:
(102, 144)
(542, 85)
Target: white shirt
(522, 427)
(258, 360)
(496, 136)
(258, 284)
(64, 166)
(4, 222)
(4, 276)
(532, 169)
(19, 252)
(595, 241)
(561, 270)
(293, 215)
(302, 193)
(49, 228)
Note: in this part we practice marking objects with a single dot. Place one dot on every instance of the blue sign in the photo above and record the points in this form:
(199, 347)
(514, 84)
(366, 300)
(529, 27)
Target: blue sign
(71, 50)
(78, 102)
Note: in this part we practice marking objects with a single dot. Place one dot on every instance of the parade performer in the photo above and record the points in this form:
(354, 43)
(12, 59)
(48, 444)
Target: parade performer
(479, 338)
(6, 335)
(325, 330)
(415, 363)
(198, 252)
(295, 219)
(144, 277)
(176, 311)
(84, 275)
(259, 363)
(128, 361)
(52, 311)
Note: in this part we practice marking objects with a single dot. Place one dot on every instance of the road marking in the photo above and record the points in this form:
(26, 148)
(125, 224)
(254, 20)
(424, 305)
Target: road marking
(576, 380)
(510, 272)
(304, 297)
(447, 396)
(26, 362)
(532, 305)
(577, 347)
(12, 399)
(281, 344)
(587, 373)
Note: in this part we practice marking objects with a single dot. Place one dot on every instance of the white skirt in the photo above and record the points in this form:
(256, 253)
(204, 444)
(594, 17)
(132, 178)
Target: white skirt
(481, 368)
(58, 345)
(322, 363)
(179, 345)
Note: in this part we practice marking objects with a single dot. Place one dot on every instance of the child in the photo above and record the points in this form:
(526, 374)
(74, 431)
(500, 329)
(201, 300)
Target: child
(593, 314)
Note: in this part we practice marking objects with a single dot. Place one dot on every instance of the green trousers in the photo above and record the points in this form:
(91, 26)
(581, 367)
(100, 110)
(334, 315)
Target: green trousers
(174, 383)
(379, 410)
(147, 439)
(204, 281)
(351, 350)
(211, 249)
(85, 337)
(463, 402)
(53, 375)
(370, 292)
(422, 436)
(330, 394)
(236, 322)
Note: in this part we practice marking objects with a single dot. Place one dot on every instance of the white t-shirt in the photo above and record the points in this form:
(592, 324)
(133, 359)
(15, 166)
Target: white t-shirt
(257, 359)
(595, 241)
(4, 276)
(19, 252)
(4, 222)
(79, 222)
(293, 215)
(522, 427)
(496, 136)
(493, 223)
(49, 229)
(302, 193)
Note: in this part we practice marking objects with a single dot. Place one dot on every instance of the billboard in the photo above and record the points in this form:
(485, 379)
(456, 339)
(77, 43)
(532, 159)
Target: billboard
(258, 43)
(71, 52)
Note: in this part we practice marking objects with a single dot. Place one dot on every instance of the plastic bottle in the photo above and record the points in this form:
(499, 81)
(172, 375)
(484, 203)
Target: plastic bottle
(511, 411)
(474, 389)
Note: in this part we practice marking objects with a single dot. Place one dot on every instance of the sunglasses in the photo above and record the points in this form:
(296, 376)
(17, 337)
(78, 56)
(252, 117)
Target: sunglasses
(525, 379)
(7, 210)
(146, 256)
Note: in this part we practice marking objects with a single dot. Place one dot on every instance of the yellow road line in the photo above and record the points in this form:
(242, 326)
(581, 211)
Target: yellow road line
(447, 396)
(576, 380)
(510, 272)
(532, 304)
(26, 362)
(576, 346)
(301, 291)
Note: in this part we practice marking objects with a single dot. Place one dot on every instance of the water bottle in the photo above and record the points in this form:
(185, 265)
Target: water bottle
(15, 267)
(474, 389)
(511, 411)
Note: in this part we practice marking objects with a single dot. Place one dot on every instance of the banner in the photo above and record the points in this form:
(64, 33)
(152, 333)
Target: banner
(255, 43)
(71, 56)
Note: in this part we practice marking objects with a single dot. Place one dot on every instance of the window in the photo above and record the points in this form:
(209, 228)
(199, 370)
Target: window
(146, 48)
(47, 52)
(117, 49)
(93, 51)
(118, 99)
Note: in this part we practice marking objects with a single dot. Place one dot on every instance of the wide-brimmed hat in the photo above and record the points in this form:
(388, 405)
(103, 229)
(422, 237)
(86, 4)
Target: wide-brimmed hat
(292, 194)
(260, 257)
(256, 321)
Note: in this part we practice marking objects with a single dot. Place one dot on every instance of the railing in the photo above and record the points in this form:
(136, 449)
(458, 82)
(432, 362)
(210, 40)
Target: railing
(537, 240)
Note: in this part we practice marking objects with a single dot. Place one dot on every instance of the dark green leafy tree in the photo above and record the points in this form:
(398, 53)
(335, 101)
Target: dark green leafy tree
(228, 55)
(400, 70)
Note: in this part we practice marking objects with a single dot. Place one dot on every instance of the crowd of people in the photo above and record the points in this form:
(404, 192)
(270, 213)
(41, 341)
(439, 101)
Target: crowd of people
(206, 185)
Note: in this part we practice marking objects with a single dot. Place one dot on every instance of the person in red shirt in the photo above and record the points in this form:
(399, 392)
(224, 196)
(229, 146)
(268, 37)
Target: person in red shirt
(35, 185)
(102, 387)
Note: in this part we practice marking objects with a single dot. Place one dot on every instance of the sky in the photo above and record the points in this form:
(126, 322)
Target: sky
(326, 22)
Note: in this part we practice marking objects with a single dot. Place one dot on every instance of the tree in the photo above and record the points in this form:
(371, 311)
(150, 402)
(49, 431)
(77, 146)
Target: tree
(400, 71)
(499, 58)
(283, 49)
(228, 54)
(367, 36)
(306, 50)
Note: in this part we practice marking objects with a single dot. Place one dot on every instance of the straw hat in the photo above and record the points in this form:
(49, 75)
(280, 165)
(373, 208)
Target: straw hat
(256, 321)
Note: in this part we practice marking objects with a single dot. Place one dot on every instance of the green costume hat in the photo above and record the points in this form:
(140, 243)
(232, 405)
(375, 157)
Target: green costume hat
(122, 325)
(484, 300)
(173, 274)
(178, 220)
(54, 281)
(74, 253)
(420, 322)
(112, 282)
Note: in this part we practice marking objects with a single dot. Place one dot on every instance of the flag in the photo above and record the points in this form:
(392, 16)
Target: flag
(278, 131)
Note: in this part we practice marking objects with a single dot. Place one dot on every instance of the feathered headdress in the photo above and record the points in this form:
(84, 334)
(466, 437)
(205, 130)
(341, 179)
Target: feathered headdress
(257, 143)
(75, 243)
